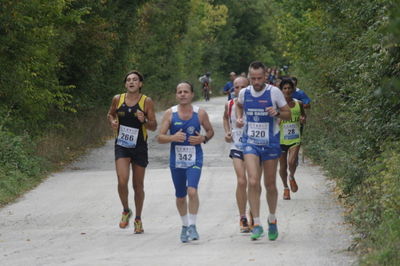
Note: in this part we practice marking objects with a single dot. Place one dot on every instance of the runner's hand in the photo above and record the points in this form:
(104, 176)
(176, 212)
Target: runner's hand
(239, 122)
(194, 140)
(179, 136)
(271, 111)
(114, 124)
(302, 119)
(228, 137)
(140, 116)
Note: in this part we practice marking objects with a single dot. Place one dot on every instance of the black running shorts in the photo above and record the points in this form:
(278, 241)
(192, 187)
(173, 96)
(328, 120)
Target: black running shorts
(138, 154)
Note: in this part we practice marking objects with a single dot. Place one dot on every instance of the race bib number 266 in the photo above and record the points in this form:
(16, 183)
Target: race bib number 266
(127, 136)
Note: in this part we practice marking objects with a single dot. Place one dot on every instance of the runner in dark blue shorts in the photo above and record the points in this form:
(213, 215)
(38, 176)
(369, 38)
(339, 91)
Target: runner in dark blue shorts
(261, 104)
(184, 122)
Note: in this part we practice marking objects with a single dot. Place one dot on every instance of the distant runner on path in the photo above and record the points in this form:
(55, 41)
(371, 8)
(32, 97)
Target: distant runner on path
(290, 138)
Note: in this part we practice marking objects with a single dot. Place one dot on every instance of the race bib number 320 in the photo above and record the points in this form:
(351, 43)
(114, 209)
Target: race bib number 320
(185, 156)
(127, 136)
(258, 133)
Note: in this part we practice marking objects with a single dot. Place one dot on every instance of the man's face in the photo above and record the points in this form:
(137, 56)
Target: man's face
(133, 83)
(184, 94)
(257, 78)
(287, 90)
(239, 84)
(232, 76)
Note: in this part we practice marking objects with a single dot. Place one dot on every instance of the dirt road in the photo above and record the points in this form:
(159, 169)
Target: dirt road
(72, 218)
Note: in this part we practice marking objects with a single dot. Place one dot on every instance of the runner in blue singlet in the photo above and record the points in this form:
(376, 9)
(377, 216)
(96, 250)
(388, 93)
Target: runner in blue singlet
(184, 122)
(262, 104)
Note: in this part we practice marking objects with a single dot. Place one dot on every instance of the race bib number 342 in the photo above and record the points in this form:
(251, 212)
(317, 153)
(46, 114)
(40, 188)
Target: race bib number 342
(185, 156)
(127, 136)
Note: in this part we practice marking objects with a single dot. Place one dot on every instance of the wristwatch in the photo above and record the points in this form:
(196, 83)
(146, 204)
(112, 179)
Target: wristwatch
(277, 114)
(205, 139)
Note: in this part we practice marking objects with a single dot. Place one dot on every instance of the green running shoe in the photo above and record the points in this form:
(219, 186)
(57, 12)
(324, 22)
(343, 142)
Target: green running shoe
(257, 232)
(272, 230)
(125, 219)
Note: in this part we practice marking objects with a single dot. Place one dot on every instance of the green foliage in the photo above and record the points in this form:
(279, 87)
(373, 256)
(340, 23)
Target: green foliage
(19, 168)
(29, 62)
(379, 210)
(347, 56)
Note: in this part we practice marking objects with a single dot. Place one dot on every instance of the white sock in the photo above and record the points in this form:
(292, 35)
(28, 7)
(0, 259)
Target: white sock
(257, 221)
(271, 218)
(185, 220)
(192, 218)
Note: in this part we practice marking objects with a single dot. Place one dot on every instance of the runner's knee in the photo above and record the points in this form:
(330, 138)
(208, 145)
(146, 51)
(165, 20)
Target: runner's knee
(254, 183)
(270, 186)
(242, 182)
(123, 181)
(180, 200)
(192, 192)
(138, 187)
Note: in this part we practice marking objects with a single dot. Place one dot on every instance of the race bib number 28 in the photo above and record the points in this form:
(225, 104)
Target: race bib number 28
(291, 131)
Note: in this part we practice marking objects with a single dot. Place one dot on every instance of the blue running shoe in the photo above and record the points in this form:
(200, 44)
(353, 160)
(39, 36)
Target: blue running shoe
(193, 235)
(184, 234)
(257, 232)
(272, 230)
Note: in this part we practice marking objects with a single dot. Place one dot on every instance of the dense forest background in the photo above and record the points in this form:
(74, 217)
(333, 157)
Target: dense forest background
(62, 61)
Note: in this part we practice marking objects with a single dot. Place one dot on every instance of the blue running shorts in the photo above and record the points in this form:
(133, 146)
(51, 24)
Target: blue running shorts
(264, 153)
(184, 178)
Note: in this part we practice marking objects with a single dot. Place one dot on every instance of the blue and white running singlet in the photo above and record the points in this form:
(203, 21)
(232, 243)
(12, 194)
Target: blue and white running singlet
(259, 129)
(184, 155)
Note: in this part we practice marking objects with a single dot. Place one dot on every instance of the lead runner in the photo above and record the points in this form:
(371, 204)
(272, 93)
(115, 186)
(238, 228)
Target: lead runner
(262, 104)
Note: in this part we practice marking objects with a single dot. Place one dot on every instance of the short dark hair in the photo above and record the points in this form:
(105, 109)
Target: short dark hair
(286, 81)
(294, 79)
(186, 82)
(257, 65)
(134, 72)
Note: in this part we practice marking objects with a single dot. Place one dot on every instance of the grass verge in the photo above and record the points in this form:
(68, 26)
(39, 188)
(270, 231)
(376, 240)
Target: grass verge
(25, 162)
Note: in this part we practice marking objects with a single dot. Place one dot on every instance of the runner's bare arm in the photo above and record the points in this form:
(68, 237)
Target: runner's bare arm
(164, 127)
(163, 137)
(112, 112)
(205, 122)
(285, 113)
(227, 127)
(151, 123)
(239, 114)
(303, 117)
